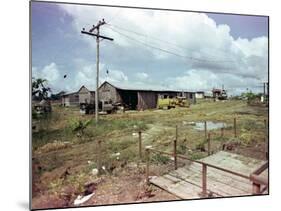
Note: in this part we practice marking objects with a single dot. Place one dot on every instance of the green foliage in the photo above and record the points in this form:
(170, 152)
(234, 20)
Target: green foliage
(249, 125)
(197, 155)
(117, 146)
(162, 159)
(200, 146)
(250, 96)
(39, 88)
(246, 138)
(182, 149)
(79, 125)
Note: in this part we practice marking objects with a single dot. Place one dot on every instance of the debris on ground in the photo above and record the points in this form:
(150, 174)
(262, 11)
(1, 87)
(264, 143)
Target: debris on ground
(56, 145)
(95, 171)
(82, 199)
(230, 145)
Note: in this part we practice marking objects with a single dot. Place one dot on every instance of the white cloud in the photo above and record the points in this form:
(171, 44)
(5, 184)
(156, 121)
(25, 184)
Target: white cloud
(142, 75)
(207, 80)
(87, 76)
(207, 51)
(117, 76)
(49, 72)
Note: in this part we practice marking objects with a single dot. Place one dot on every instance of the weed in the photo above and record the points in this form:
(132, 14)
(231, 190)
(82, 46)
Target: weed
(182, 149)
(162, 159)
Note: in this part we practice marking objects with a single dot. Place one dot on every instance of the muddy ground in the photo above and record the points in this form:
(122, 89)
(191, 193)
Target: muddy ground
(63, 158)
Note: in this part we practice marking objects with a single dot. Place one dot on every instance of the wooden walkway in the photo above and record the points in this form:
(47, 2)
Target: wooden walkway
(186, 182)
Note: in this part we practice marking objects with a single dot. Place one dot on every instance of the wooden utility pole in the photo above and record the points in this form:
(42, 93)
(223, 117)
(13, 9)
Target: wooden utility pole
(98, 36)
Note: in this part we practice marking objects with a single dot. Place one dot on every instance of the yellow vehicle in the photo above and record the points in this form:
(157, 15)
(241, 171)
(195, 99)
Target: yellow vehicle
(164, 102)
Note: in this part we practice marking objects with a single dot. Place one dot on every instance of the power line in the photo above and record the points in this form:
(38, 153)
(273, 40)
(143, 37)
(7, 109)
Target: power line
(163, 50)
(164, 41)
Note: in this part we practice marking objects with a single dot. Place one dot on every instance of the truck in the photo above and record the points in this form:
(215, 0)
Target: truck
(219, 94)
(103, 106)
(164, 102)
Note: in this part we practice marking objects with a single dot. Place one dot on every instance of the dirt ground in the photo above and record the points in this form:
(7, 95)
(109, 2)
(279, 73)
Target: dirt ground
(63, 160)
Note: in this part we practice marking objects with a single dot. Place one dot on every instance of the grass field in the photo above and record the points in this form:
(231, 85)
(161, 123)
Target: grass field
(64, 155)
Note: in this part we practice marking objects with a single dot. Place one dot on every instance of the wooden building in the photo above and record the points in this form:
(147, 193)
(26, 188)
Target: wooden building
(138, 99)
(83, 95)
(135, 99)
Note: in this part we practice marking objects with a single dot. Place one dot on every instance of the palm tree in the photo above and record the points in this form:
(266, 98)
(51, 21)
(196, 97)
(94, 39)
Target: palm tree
(39, 89)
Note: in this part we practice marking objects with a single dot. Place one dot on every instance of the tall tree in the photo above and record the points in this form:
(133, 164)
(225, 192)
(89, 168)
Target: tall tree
(39, 88)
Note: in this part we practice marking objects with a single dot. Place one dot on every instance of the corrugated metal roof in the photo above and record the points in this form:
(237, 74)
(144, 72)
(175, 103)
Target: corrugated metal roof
(129, 88)
(143, 90)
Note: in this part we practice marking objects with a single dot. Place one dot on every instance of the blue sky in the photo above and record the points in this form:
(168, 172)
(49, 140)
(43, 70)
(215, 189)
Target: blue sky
(151, 49)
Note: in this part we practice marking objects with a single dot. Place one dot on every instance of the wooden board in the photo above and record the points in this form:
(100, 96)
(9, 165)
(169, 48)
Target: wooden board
(186, 182)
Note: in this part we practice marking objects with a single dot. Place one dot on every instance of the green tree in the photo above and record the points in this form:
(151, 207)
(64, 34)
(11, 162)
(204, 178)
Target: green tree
(39, 88)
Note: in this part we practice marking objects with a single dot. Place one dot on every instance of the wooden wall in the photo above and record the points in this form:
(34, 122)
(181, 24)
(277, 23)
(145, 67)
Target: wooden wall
(108, 92)
(85, 96)
(70, 100)
(147, 100)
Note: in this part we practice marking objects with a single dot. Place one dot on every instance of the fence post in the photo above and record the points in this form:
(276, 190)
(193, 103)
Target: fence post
(256, 188)
(234, 125)
(205, 129)
(204, 180)
(147, 166)
(266, 138)
(209, 144)
(175, 154)
(140, 145)
(99, 157)
(177, 132)
(222, 131)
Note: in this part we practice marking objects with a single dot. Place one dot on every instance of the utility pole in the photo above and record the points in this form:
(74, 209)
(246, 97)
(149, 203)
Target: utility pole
(98, 36)
(264, 89)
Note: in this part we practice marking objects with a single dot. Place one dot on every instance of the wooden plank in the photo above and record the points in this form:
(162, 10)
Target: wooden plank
(233, 162)
(186, 182)
(177, 187)
(218, 175)
(197, 168)
(217, 182)
(217, 187)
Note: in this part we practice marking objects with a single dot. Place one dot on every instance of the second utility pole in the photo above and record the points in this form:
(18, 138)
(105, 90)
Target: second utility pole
(98, 36)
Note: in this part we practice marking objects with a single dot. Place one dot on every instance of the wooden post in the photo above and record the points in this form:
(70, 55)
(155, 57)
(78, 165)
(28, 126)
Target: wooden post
(266, 139)
(204, 180)
(176, 132)
(147, 166)
(209, 144)
(234, 126)
(175, 155)
(205, 129)
(222, 131)
(256, 188)
(99, 157)
(140, 146)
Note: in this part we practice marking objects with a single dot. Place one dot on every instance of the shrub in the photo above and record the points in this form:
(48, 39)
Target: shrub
(160, 158)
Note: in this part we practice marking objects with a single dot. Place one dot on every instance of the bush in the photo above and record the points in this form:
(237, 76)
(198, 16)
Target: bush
(160, 158)
(182, 149)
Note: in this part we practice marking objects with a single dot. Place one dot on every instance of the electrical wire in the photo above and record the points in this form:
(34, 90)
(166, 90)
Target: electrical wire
(166, 42)
(164, 50)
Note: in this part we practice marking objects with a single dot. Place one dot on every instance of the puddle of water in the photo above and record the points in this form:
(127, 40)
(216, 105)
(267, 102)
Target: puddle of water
(210, 125)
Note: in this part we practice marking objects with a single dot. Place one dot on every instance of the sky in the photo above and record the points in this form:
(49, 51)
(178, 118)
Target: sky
(152, 49)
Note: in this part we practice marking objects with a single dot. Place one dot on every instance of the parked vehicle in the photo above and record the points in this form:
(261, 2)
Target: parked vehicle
(171, 102)
(104, 106)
